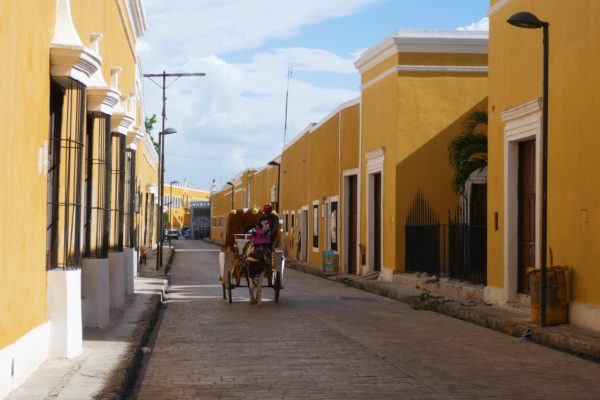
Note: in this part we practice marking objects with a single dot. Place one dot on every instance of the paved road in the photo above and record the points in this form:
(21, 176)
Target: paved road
(324, 340)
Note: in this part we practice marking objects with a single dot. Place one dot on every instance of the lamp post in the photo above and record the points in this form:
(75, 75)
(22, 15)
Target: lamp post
(171, 203)
(232, 194)
(161, 181)
(273, 163)
(529, 21)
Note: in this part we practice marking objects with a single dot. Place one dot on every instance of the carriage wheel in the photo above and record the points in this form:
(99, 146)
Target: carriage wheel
(229, 285)
(277, 285)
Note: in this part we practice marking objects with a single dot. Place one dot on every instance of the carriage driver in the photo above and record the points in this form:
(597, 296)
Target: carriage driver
(269, 223)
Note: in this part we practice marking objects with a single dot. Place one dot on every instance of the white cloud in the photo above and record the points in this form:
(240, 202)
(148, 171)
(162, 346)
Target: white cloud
(482, 25)
(234, 117)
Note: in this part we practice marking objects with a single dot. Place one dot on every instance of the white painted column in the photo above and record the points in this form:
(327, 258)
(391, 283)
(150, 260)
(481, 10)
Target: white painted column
(131, 264)
(64, 312)
(95, 292)
(117, 274)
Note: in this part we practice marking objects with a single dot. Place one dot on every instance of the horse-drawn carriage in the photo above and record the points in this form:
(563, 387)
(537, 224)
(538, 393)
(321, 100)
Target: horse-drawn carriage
(247, 256)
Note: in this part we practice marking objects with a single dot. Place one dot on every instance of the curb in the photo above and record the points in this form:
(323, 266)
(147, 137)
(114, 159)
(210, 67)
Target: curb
(577, 341)
(119, 384)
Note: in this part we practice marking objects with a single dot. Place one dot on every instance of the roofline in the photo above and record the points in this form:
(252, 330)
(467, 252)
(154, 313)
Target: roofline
(338, 109)
(424, 41)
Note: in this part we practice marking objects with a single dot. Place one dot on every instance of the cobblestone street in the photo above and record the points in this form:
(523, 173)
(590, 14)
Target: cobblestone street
(326, 340)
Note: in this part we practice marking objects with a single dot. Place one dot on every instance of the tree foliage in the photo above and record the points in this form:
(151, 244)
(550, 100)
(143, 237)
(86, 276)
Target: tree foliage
(467, 152)
(149, 124)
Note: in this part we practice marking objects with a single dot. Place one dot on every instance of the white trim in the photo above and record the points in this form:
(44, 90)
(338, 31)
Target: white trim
(312, 218)
(337, 110)
(101, 97)
(137, 16)
(522, 123)
(69, 58)
(23, 357)
(375, 165)
(471, 69)
(358, 189)
(298, 136)
(585, 315)
(330, 200)
(424, 41)
(63, 299)
(305, 224)
(346, 219)
(497, 7)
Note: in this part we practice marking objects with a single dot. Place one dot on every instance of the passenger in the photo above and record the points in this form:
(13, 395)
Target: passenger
(268, 223)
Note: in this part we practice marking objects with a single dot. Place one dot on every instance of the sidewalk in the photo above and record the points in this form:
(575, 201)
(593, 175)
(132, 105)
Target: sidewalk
(569, 338)
(107, 364)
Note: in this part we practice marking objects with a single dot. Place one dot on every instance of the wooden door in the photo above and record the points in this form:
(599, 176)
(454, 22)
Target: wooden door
(526, 219)
(352, 224)
(377, 222)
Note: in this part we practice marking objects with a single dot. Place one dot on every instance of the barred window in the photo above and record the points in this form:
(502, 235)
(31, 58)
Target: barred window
(315, 225)
(148, 219)
(65, 155)
(98, 184)
(130, 200)
(117, 203)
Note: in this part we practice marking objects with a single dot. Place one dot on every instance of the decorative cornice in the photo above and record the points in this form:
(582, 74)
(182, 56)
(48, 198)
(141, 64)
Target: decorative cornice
(137, 16)
(520, 111)
(69, 58)
(101, 97)
(378, 152)
(424, 41)
(472, 69)
(121, 120)
(497, 7)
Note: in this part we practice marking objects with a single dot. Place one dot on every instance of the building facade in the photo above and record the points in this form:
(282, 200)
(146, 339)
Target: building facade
(75, 152)
(515, 161)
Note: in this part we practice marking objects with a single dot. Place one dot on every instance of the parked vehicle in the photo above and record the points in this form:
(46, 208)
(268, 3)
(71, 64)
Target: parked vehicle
(172, 234)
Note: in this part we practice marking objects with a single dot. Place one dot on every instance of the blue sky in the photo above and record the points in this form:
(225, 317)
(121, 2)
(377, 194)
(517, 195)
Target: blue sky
(233, 118)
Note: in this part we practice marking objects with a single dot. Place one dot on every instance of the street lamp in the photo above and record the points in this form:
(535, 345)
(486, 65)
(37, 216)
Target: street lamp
(171, 203)
(232, 198)
(529, 21)
(278, 182)
(161, 180)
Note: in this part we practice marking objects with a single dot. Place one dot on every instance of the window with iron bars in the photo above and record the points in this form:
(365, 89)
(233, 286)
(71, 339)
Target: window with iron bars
(98, 184)
(149, 220)
(117, 203)
(65, 155)
(130, 200)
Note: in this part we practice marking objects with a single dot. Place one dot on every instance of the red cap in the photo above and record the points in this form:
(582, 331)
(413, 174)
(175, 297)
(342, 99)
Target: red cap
(267, 209)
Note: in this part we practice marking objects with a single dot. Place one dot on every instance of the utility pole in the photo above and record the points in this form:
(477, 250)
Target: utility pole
(287, 91)
(161, 156)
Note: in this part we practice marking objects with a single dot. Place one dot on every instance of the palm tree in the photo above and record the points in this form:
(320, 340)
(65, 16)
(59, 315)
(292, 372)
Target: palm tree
(467, 152)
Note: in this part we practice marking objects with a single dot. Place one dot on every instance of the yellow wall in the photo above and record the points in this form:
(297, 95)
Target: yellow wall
(147, 172)
(100, 16)
(516, 78)
(324, 178)
(401, 113)
(24, 101)
(180, 204)
(294, 177)
(26, 31)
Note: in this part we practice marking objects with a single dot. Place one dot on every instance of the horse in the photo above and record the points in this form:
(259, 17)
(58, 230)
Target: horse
(256, 264)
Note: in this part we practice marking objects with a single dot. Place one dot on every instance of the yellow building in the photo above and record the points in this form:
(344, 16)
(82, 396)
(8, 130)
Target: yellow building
(515, 172)
(416, 84)
(74, 153)
(178, 198)
(249, 189)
